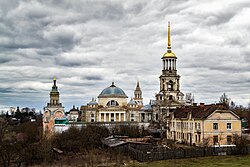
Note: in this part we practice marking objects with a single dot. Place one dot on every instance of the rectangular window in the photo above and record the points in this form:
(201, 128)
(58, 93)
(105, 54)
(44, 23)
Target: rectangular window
(199, 126)
(132, 115)
(215, 126)
(229, 126)
(215, 140)
(229, 140)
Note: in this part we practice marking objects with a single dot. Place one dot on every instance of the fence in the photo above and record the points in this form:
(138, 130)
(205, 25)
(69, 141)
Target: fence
(143, 155)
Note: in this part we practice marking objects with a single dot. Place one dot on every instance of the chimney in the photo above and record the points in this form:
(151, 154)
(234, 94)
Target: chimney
(202, 105)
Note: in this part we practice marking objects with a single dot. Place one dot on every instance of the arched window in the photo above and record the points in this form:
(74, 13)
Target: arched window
(170, 85)
(170, 97)
(112, 103)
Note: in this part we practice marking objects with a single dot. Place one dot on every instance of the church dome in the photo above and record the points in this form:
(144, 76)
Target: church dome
(169, 55)
(112, 91)
(93, 102)
(132, 102)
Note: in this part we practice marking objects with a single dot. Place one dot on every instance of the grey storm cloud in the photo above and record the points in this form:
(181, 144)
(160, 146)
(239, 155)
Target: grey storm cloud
(4, 60)
(89, 44)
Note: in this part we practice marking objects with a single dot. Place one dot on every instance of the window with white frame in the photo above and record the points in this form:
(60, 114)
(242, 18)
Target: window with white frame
(215, 126)
(229, 126)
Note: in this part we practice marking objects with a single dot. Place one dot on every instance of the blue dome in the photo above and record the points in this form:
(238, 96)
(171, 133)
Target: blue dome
(132, 102)
(112, 91)
(93, 102)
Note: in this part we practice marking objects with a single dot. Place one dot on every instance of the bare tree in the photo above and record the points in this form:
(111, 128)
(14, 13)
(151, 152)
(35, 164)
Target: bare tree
(224, 99)
(240, 140)
(232, 105)
(206, 142)
(3, 128)
(248, 105)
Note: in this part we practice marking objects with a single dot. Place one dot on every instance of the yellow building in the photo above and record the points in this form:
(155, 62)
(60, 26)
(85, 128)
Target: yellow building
(204, 125)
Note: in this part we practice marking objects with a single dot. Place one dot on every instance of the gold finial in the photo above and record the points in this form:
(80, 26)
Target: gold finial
(169, 42)
(54, 78)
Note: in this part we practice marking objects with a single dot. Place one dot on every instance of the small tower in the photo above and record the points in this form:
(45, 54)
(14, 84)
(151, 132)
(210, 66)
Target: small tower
(54, 110)
(169, 79)
(138, 95)
(54, 95)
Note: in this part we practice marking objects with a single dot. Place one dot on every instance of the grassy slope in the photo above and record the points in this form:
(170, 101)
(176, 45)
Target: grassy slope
(221, 161)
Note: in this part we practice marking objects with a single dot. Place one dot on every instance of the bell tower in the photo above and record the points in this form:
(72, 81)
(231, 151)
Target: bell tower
(169, 79)
(138, 95)
(54, 110)
(54, 94)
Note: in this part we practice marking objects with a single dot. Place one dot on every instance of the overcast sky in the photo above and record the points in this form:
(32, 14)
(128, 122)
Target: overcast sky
(88, 44)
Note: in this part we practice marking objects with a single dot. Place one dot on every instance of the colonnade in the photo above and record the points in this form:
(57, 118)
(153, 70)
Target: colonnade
(169, 64)
(112, 117)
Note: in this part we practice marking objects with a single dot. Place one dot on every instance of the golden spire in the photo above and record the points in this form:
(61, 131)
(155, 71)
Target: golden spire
(169, 42)
(169, 53)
